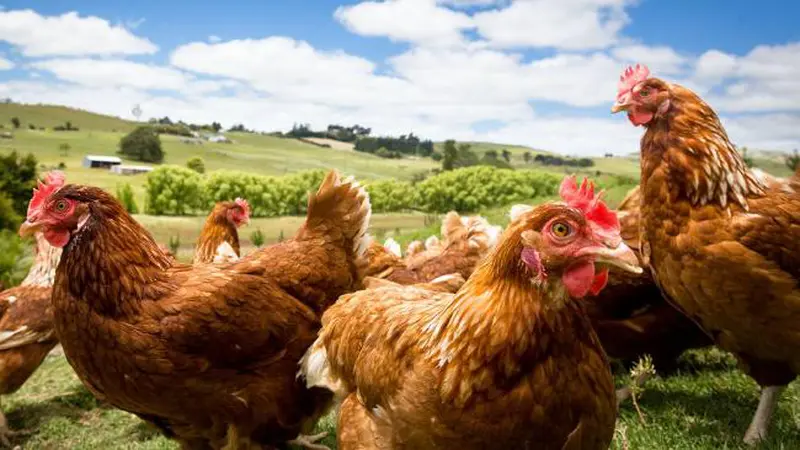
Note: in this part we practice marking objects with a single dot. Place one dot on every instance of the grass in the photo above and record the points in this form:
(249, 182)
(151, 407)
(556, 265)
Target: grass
(49, 116)
(707, 405)
(266, 155)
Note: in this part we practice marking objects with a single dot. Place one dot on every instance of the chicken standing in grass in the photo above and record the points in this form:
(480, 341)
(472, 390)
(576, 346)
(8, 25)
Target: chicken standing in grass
(27, 332)
(219, 239)
(208, 353)
(508, 362)
(722, 241)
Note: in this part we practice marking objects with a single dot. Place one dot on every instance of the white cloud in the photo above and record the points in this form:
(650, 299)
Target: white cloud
(443, 83)
(765, 79)
(562, 24)
(418, 21)
(68, 34)
(113, 73)
(5, 64)
(666, 59)
(471, 3)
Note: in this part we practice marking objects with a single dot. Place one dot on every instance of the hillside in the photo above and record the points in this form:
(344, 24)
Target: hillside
(269, 155)
(49, 116)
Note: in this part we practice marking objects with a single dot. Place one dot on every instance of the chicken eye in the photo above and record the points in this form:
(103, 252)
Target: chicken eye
(560, 229)
(644, 92)
(61, 206)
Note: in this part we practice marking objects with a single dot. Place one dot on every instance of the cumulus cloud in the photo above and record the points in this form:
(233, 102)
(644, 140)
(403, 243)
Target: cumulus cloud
(68, 34)
(442, 84)
(5, 64)
(562, 24)
(418, 21)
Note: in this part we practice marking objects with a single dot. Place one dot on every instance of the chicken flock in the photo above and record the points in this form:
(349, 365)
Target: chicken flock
(485, 338)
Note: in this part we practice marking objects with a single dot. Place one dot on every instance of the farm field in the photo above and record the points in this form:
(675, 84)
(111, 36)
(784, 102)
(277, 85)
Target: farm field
(706, 405)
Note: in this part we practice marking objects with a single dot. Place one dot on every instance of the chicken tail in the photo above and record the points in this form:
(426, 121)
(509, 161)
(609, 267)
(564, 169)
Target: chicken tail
(316, 370)
(340, 209)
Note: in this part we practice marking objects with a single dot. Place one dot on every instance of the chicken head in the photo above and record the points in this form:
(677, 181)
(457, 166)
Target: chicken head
(570, 244)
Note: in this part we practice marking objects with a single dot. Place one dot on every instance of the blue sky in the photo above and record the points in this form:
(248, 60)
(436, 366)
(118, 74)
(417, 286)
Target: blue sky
(533, 72)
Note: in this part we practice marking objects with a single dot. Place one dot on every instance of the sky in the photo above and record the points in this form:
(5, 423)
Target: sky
(541, 73)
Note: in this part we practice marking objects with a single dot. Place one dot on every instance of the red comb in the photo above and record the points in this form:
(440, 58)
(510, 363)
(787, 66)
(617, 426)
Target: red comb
(243, 204)
(631, 77)
(584, 199)
(53, 181)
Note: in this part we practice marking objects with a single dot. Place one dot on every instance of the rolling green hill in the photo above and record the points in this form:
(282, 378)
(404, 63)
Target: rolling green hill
(49, 116)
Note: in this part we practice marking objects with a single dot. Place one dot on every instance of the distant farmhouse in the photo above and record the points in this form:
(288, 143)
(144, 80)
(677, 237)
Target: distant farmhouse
(122, 169)
(100, 162)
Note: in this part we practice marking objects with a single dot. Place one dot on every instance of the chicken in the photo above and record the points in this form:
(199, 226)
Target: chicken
(394, 247)
(446, 283)
(630, 315)
(509, 361)
(208, 353)
(414, 248)
(26, 324)
(722, 242)
(219, 240)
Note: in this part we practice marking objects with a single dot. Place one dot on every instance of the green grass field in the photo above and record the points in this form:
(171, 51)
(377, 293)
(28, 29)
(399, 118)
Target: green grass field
(707, 405)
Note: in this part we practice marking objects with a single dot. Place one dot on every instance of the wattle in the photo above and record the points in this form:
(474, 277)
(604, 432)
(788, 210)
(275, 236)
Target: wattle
(57, 238)
(581, 279)
(639, 118)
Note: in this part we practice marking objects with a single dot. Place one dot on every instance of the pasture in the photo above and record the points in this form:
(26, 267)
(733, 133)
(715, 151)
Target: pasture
(707, 404)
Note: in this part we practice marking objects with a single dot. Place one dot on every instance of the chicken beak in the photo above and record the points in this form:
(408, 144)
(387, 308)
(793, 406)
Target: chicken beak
(619, 107)
(28, 228)
(622, 257)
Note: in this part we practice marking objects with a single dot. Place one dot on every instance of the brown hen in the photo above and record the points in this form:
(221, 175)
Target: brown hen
(509, 361)
(219, 240)
(207, 353)
(27, 332)
(723, 242)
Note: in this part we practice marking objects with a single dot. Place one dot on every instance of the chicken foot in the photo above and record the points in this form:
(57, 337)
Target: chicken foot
(309, 441)
(759, 427)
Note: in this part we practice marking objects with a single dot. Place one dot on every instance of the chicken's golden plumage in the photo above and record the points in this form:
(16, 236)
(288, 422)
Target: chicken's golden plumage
(509, 361)
(207, 353)
(723, 242)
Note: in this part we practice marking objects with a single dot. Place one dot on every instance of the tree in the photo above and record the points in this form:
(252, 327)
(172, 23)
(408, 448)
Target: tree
(527, 157)
(68, 125)
(17, 180)
(16, 122)
(142, 144)
(64, 148)
(216, 126)
(450, 155)
(792, 160)
(506, 155)
(197, 164)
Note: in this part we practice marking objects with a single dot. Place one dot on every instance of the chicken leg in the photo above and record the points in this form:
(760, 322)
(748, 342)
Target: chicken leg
(309, 441)
(759, 427)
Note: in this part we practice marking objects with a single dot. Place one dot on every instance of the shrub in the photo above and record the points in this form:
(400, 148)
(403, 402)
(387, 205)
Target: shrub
(473, 188)
(174, 190)
(15, 258)
(9, 218)
(125, 196)
(142, 144)
(31, 126)
(257, 238)
(390, 195)
(268, 196)
(17, 180)
(16, 122)
(197, 164)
